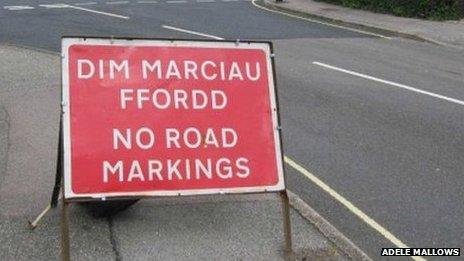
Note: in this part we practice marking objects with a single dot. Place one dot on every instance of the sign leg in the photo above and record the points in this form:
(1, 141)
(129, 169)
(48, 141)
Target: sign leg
(287, 225)
(65, 249)
(58, 176)
(59, 167)
(33, 224)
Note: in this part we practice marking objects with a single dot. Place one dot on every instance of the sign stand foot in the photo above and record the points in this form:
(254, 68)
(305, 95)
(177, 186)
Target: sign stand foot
(287, 225)
(35, 223)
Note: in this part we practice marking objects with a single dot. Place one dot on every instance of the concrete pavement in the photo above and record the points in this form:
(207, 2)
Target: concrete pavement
(449, 33)
(208, 227)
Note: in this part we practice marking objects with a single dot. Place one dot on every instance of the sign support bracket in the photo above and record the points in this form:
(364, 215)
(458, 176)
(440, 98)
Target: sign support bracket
(59, 167)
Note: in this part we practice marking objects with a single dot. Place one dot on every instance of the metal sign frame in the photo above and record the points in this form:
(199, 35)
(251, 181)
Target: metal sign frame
(63, 157)
(262, 45)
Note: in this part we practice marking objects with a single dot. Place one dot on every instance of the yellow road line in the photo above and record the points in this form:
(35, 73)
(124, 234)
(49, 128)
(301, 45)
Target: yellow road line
(355, 210)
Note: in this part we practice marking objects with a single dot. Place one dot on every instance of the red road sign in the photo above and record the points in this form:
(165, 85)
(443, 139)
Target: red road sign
(159, 117)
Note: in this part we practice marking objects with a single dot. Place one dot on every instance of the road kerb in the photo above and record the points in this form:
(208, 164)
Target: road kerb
(387, 32)
(329, 231)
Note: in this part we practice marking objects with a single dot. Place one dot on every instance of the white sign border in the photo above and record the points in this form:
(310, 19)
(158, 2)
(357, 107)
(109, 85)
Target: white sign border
(67, 42)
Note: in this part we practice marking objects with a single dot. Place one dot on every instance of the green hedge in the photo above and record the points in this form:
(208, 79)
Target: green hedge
(428, 9)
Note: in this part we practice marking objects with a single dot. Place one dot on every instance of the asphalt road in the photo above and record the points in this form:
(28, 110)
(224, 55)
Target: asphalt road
(362, 113)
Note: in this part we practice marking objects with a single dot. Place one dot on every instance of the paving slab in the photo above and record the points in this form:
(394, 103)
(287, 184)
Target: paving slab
(232, 228)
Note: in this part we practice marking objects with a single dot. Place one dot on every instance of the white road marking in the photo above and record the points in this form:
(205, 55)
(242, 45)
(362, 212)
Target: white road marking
(399, 85)
(229, 0)
(355, 210)
(55, 6)
(98, 12)
(318, 22)
(176, 2)
(18, 7)
(117, 2)
(85, 3)
(147, 2)
(192, 32)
